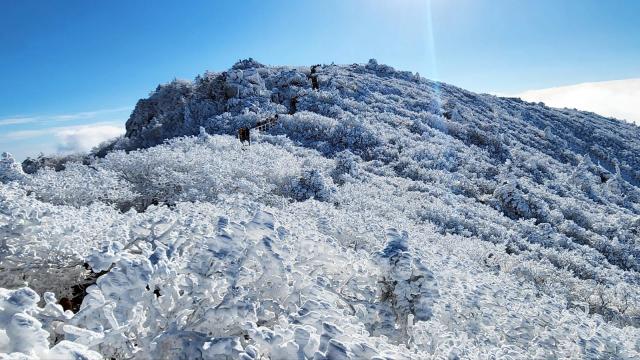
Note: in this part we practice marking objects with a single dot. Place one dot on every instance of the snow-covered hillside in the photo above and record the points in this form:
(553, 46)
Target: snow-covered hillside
(382, 216)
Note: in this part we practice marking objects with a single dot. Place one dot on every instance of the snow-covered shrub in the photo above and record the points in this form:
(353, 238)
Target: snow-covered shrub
(80, 185)
(23, 328)
(190, 169)
(406, 282)
(10, 170)
(584, 178)
(311, 184)
(514, 203)
(330, 135)
(347, 167)
(44, 245)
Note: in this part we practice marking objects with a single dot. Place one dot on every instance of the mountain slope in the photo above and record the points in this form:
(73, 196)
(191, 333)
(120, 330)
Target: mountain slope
(382, 215)
(380, 95)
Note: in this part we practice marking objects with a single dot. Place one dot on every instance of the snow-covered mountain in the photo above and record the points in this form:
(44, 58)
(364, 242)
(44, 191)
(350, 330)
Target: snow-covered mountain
(381, 215)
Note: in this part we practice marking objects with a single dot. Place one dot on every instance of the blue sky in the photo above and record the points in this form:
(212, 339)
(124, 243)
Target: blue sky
(65, 65)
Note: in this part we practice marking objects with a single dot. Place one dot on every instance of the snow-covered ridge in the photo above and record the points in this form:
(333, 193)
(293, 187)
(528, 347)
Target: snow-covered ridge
(383, 216)
(250, 92)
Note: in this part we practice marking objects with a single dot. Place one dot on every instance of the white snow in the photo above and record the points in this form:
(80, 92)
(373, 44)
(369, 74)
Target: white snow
(387, 217)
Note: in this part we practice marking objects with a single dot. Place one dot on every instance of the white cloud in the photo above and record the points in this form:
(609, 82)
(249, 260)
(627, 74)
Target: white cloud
(27, 135)
(69, 139)
(84, 115)
(83, 138)
(17, 120)
(619, 99)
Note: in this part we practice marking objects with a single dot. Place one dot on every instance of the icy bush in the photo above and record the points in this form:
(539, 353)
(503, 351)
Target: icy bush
(192, 169)
(311, 185)
(22, 335)
(407, 283)
(347, 167)
(10, 170)
(163, 112)
(514, 203)
(329, 135)
(80, 185)
(191, 283)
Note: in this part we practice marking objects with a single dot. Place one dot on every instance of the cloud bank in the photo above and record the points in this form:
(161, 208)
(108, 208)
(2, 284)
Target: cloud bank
(619, 99)
(26, 135)
(83, 138)
(65, 139)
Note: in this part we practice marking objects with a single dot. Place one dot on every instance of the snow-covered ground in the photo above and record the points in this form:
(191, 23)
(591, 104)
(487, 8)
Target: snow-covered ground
(384, 216)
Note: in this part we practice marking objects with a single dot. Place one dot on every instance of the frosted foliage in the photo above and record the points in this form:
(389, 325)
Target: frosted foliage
(80, 185)
(346, 165)
(23, 328)
(10, 170)
(193, 169)
(407, 282)
(190, 283)
(383, 216)
(311, 185)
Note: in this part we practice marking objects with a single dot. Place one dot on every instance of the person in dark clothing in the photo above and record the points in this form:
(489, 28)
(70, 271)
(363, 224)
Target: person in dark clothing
(243, 135)
(314, 77)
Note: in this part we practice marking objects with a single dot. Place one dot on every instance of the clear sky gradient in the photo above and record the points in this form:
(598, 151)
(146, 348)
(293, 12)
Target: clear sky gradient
(67, 64)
